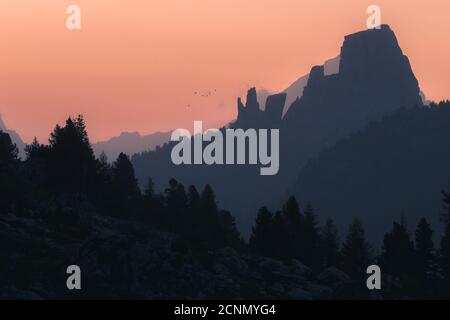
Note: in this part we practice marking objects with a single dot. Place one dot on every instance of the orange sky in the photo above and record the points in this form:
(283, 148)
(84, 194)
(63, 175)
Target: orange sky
(135, 64)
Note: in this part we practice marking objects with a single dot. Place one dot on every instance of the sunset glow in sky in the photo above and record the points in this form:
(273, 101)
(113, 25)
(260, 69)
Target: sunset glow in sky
(135, 65)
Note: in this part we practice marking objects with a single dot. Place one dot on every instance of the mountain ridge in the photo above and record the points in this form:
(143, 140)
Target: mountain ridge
(374, 79)
(130, 143)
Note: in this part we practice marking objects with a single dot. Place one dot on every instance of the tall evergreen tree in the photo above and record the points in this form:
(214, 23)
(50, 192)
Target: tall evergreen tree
(261, 239)
(152, 209)
(281, 248)
(424, 250)
(124, 191)
(444, 257)
(193, 200)
(231, 235)
(357, 254)
(309, 237)
(208, 200)
(209, 223)
(33, 149)
(329, 244)
(292, 214)
(36, 166)
(124, 176)
(444, 252)
(445, 216)
(72, 162)
(292, 217)
(397, 256)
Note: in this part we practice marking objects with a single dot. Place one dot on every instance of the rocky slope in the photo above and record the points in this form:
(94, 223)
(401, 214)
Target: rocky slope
(124, 260)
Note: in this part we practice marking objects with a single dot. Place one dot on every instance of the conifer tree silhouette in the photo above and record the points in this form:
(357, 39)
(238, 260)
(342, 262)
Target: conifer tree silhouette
(398, 255)
(72, 162)
(357, 254)
(293, 219)
(310, 237)
(444, 258)
(261, 239)
(329, 244)
(424, 250)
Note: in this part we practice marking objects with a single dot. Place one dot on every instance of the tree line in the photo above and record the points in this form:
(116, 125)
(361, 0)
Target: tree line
(415, 262)
(67, 166)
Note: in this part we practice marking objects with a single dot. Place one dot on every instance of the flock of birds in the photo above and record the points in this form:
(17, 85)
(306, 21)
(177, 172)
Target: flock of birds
(206, 94)
(203, 94)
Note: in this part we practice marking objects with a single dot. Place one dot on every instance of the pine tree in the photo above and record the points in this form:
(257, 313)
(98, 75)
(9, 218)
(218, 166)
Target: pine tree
(261, 239)
(149, 191)
(193, 200)
(309, 237)
(123, 191)
(397, 252)
(444, 257)
(209, 223)
(72, 162)
(208, 200)
(356, 251)
(293, 222)
(231, 235)
(151, 208)
(32, 150)
(176, 203)
(445, 216)
(329, 244)
(444, 252)
(124, 177)
(424, 249)
(281, 248)
(292, 214)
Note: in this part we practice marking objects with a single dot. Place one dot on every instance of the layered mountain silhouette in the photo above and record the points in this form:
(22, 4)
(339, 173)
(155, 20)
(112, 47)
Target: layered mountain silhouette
(395, 167)
(15, 138)
(295, 90)
(374, 79)
(130, 143)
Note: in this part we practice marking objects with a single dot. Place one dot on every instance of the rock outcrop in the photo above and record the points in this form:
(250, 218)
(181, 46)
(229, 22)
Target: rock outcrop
(251, 116)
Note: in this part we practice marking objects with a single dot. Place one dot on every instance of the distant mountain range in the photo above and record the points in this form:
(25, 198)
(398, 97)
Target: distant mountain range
(130, 143)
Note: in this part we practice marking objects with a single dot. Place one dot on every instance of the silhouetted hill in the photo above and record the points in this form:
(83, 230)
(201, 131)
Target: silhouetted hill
(396, 166)
(130, 143)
